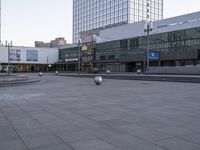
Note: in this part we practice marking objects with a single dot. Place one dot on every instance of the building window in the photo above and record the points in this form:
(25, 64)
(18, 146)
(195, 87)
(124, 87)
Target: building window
(103, 57)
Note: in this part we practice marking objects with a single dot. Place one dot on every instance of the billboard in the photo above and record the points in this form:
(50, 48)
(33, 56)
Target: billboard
(14, 55)
(154, 55)
(31, 55)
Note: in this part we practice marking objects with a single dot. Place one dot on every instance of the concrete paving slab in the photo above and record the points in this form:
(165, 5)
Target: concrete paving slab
(41, 140)
(93, 144)
(12, 145)
(178, 144)
(76, 136)
(56, 147)
(194, 138)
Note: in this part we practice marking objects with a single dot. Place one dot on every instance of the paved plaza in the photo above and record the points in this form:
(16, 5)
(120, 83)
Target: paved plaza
(66, 113)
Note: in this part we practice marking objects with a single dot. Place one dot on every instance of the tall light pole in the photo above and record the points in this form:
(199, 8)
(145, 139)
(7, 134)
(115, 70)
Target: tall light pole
(66, 57)
(9, 45)
(79, 55)
(18, 59)
(93, 46)
(47, 63)
(148, 28)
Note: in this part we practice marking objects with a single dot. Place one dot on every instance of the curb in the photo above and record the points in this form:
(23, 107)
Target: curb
(143, 78)
(18, 83)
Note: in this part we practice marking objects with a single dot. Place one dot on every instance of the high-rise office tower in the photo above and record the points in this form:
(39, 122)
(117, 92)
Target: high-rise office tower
(90, 16)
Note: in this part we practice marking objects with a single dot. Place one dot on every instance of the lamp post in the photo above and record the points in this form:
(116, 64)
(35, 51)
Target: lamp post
(47, 63)
(9, 45)
(93, 46)
(147, 28)
(79, 54)
(18, 59)
(66, 62)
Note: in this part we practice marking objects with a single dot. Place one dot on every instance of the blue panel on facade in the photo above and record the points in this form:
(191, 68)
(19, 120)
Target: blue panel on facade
(154, 55)
(32, 55)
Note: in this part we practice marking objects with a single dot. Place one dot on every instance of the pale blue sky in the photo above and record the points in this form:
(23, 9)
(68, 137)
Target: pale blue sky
(26, 21)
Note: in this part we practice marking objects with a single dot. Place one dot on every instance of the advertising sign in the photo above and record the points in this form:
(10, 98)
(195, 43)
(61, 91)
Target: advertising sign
(14, 55)
(31, 55)
(154, 55)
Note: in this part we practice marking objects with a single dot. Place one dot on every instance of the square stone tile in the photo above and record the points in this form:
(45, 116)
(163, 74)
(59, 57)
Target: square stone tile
(77, 136)
(194, 137)
(145, 133)
(178, 144)
(41, 140)
(12, 145)
(93, 145)
(56, 147)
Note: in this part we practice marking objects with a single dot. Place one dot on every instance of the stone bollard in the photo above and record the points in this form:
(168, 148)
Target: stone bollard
(40, 74)
(139, 71)
(56, 73)
(108, 72)
(98, 80)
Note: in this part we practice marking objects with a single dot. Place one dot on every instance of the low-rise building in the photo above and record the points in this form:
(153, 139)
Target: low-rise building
(170, 42)
(26, 59)
(58, 42)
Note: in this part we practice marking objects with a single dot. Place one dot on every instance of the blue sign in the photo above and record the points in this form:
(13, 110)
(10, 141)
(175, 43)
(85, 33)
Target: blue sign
(154, 55)
(32, 55)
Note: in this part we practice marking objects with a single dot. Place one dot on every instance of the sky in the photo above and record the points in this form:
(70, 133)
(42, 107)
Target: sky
(25, 21)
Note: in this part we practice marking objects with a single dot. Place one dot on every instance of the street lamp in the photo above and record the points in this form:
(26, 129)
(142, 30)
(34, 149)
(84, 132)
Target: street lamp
(9, 45)
(79, 54)
(18, 59)
(148, 27)
(66, 62)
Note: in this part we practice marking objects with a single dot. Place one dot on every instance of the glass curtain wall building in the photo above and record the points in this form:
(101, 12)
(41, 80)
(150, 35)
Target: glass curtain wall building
(90, 16)
(176, 48)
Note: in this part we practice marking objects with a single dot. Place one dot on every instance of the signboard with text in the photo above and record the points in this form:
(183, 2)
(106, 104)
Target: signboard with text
(14, 54)
(154, 56)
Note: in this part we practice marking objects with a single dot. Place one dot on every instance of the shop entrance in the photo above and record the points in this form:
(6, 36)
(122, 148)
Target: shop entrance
(131, 67)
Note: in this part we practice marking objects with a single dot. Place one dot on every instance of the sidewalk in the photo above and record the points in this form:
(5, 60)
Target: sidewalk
(67, 113)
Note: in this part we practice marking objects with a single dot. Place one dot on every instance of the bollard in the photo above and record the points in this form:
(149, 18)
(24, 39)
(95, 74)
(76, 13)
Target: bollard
(139, 71)
(56, 73)
(40, 74)
(108, 72)
(98, 80)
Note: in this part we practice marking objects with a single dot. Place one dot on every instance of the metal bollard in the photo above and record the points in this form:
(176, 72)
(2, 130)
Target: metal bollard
(108, 72)
(56, 73)
(98, 80)
(40, 74)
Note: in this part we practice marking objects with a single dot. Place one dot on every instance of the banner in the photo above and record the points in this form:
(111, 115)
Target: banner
(14, 55)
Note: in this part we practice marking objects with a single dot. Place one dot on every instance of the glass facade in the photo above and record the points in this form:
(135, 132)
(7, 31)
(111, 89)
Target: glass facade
(149, 10)
(170, 42)
(177, 48)
(93, 15)
(68, 53)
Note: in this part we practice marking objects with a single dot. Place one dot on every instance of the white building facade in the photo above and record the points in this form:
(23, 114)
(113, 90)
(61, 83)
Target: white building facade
(27, 59)
(90, 16)
(182, 22)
